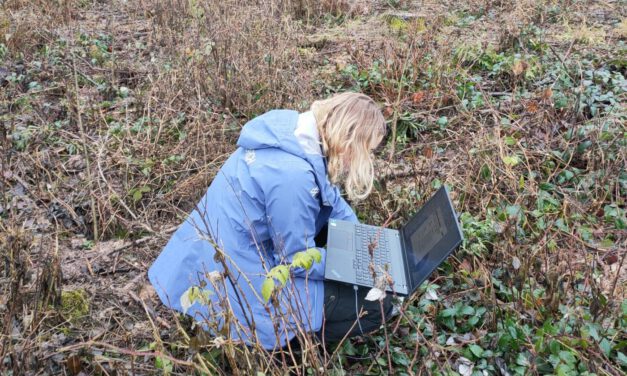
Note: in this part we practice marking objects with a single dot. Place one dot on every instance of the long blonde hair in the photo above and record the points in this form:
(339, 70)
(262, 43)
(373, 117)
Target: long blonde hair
(351, 125)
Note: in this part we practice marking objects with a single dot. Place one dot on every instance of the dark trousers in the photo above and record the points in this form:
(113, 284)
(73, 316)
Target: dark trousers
(341, 308)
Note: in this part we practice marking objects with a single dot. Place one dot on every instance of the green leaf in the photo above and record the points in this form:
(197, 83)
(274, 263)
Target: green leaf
(564, 370)
(185, 300)
(559, 223)
(485, 172)
(137, 195)
(349, 348)
(509, 140)
(281, 273)
(622, 359)
(512, 331)
(554, 346)
(476, 350)
(164, 364)
(467, 311)
(606, 346)
(450, 323)
(567, 357)
(590, 330)
(449, 312)
(513, 211)
(399, 357)
(522, 360)
(546, 187)
(315, 254)
(266, 288)
(511, 160)
(473, 321)
(520, 370)
(302, 260)
(606, 243)
(583, 146)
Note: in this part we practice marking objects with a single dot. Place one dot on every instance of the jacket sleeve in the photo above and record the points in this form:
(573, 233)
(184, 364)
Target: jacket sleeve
(292, 208)
(341, 209)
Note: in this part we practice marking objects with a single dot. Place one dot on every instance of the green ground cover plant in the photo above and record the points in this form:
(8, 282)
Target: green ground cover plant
(115, 116)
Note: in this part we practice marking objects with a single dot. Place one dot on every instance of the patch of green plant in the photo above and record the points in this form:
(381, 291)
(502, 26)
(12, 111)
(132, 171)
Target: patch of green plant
(464, 18)
(601, 90)
(370, 79)
(499, 64)
(22, 136)
(96, 48)
(74, 304)
(468, 92)
(592, 90)
(531, 38)
(281, 273)
(461, 317)
(397, 24)
(479, 234)
(138, 193)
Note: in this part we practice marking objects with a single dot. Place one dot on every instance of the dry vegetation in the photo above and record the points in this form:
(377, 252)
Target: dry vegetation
(114, 116)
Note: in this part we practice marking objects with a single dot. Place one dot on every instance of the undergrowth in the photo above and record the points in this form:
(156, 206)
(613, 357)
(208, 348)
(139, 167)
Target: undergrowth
(116, 115)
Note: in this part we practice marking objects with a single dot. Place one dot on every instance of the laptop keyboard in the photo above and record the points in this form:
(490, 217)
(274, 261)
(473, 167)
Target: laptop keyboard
(364, 235)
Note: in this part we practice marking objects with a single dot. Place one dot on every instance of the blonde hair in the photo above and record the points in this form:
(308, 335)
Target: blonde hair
(351, 125)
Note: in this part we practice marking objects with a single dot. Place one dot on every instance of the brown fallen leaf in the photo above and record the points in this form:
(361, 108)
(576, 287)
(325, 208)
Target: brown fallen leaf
(547, 94)
(465, 265)
(418, 97)
(532, 107)
(73, 364)
(519, 67)
(427, 152)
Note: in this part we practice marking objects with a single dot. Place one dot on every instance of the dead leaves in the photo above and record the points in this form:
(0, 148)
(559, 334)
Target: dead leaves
(427, 151)
(519, 67)
(418, 97)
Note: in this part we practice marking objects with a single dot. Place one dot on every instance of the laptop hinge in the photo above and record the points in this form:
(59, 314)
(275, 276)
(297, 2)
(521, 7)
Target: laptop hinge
(410, 288)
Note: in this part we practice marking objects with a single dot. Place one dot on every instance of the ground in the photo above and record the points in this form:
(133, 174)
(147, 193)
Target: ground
(115, 116)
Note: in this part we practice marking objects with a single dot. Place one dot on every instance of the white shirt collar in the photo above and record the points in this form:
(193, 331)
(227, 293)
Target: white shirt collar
(307, 133)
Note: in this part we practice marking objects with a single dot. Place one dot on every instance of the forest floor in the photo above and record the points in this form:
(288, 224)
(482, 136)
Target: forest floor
(115, 115)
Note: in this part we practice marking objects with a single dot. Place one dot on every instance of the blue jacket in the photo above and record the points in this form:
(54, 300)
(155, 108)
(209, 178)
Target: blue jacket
(266, 203)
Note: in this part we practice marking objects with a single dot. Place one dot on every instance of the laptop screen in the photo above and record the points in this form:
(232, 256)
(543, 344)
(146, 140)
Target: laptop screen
(430, 236)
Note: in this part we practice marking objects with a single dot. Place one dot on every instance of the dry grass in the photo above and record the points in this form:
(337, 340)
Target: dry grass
(115, 116)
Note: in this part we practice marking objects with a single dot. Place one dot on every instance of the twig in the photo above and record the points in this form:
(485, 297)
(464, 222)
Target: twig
(112, 348)
(398, 101)
(622, 261)
(561, 60)
(101, 173)
(134, 243)
(85, 152)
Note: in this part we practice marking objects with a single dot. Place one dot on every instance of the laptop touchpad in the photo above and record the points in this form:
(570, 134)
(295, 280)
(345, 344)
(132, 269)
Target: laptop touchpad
(341, 240)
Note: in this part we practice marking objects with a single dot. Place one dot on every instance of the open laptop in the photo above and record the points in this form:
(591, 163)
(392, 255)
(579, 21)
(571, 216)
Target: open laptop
(408, 255)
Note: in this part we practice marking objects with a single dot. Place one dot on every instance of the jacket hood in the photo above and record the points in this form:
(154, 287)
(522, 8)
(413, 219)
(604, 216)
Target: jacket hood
(275, 129)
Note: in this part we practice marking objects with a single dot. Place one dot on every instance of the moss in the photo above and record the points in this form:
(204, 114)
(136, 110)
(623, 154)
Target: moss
(406, 23)
(397, 24)
(74, 304)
